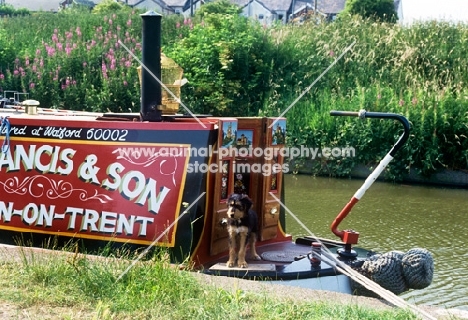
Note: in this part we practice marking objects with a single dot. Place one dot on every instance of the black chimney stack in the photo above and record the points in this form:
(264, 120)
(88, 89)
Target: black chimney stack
(151, 48)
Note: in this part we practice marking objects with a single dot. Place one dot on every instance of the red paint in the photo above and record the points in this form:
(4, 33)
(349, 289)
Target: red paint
(89, 189)
(344, 212)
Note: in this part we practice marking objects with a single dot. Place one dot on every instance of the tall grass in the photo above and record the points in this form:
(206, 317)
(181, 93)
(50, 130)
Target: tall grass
(404, 70)
(150, 290)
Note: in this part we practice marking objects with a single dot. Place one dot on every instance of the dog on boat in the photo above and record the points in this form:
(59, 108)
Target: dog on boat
(242, 225)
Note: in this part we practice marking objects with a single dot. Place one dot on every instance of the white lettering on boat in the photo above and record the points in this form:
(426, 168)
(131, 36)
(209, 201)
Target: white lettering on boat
(62, 132)
(91, 221)
(45, 159)
(142, 190)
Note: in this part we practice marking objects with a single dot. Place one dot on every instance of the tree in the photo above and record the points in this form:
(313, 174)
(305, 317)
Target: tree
(227, 60)
(383, 10)
(109, 6)
(219, 7)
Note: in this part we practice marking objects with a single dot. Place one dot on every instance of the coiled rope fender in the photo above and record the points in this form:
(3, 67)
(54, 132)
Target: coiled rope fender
(5, 126)
(397, 271)
(418, 268)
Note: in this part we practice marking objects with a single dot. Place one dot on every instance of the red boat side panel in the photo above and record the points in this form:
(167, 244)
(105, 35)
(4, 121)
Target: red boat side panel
(92, 189)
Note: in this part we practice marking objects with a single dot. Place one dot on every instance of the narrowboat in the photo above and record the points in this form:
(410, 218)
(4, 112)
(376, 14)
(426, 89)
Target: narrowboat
(161, 179)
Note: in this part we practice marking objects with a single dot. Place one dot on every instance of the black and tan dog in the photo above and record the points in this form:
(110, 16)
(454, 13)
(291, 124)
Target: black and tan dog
(242, 224)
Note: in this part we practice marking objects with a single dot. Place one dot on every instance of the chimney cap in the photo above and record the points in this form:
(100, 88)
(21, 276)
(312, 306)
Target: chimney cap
(150, 13)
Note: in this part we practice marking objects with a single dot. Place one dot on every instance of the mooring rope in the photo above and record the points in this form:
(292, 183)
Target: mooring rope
(5, 125)
(356, 276)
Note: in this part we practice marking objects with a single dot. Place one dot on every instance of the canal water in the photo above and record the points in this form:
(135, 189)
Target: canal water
(392, 217)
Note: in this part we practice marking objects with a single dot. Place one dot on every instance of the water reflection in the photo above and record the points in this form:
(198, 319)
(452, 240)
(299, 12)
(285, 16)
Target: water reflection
(393, 217)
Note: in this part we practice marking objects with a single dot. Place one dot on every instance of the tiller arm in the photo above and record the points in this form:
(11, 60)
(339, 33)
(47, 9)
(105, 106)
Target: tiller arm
(350, 237)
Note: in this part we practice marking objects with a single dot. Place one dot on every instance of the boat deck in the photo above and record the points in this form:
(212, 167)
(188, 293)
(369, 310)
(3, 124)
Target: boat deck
(280, 261)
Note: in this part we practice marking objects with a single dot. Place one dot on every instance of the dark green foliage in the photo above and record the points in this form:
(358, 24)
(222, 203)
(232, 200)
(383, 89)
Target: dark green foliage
(9, 10)
(383, 10)
(218, 7)
(227, 60)
(109, 7)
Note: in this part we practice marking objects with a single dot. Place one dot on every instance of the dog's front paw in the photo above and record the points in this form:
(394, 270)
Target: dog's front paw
(230, 264)
(243, 264)
(256, 257)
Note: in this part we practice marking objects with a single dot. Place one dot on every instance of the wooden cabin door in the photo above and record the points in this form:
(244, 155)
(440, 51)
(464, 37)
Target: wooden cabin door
(252, 166)
(223, 183)
(275, 135)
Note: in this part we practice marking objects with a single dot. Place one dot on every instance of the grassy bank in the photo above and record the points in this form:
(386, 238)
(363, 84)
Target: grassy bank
(68, 286)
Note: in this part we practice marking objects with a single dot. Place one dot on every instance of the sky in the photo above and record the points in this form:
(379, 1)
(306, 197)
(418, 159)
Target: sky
(449, 10)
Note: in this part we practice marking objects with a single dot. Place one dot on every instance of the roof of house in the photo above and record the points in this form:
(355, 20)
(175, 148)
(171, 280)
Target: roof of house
(277, 5)
(133, 2)
(161, 3)
(178, 3)
(88, 3)
(329, 6)
(323, 6)
(36, 5)
(272, 5)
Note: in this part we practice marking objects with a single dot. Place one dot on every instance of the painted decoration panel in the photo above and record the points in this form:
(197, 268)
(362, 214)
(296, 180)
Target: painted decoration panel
(245, 138)
(228, 133)
(278, 132)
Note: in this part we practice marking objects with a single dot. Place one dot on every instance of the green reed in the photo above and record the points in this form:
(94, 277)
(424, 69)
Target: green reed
(405, 70)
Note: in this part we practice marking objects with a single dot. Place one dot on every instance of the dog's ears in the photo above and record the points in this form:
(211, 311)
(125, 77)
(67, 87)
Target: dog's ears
(246, 201)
